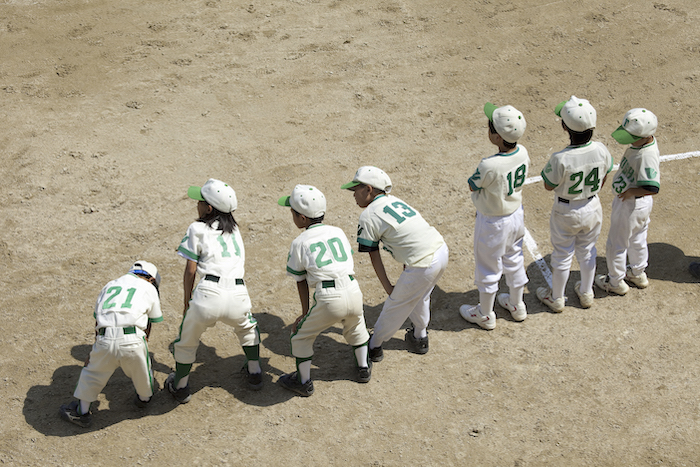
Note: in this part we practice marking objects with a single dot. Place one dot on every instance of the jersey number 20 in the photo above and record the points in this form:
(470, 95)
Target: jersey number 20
(337, 250)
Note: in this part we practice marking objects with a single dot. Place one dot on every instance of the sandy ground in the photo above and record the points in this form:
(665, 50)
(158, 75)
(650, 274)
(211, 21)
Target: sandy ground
(111, 110)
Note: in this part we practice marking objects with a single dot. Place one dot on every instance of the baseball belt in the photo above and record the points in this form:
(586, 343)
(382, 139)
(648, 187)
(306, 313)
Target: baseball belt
(331, 283)
(210, 277)
(127, 330)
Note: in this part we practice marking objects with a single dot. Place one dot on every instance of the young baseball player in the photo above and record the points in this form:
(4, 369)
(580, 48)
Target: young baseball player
(124, 312)
(213, 247)
(576, 175)
(496, 188)
(411, 241)
(320, 259)
(635, 182)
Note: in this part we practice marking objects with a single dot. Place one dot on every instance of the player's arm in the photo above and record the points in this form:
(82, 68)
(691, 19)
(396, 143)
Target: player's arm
(378, 264)
(548, 187)
(188, 282)
(639, 191)
(303, 288)
(148, 330)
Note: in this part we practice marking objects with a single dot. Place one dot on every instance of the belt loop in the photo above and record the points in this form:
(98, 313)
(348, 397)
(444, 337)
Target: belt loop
(327, 284)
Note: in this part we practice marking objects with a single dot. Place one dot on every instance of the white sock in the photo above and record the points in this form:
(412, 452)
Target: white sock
(84, 407)
(361, 356)
(183, 382)
(305, 371)
(254, 367)
(559, 279)
(516, 295)
(419, 334)
(486, 302)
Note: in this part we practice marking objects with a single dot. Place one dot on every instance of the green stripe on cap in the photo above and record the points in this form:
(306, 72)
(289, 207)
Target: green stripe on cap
(557, 109)
(350, 185)
(195, 192)
(284, 201)
(489, 108)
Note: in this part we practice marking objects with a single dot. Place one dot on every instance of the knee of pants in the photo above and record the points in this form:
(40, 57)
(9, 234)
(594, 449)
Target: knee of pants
(303, 347)
(185, 354)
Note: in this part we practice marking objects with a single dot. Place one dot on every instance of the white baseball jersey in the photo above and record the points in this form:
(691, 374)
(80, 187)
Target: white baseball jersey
(127, 301)
(215, 252)
(639, 167)
(577, 172)
(401, 229)
(498, 181)
(320, 253)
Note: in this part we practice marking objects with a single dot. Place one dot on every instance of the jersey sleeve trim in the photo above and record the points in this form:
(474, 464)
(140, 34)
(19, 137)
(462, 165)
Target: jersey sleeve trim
(547, 181)
(187, 253)
(366, 248)
(648, 185)
(473, 186)
(155, 320)
(294, 272)
(367, 243)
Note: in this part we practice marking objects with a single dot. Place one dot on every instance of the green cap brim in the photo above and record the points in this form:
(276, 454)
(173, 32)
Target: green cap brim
(284, 201)
(489, 108)
(623, 136)
(349, 185)
(557, 109)
(195, 192)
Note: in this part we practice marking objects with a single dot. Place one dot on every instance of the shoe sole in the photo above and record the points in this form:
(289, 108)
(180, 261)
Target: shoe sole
(476, 321)
(294, 389)
(69, 418)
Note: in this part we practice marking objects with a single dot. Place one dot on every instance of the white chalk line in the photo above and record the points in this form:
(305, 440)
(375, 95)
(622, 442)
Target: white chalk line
(531, 244)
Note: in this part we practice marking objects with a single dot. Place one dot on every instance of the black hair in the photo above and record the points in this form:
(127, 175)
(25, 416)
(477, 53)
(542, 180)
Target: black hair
(315, 220)
(507, 144)
(578, 138)
(225, 220)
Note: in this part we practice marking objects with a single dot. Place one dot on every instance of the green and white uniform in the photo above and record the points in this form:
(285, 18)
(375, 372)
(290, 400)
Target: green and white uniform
(322, 256)
(577, 173)
(629, 221)
(220, 295)
(122, 313)
(403, 232)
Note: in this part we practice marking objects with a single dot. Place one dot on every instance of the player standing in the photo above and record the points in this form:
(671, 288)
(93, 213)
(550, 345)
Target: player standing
(576, 174)
(124, 312)
(213, 247)
(496, 188)
(634, 184)
(411, 241)
(320, 259)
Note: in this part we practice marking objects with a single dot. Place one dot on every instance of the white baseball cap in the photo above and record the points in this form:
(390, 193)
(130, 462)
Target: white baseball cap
(637, 124)
(306, 200)
(372, 176)
(578, 114)
(146, 268)
(216, 193)
(508, 121)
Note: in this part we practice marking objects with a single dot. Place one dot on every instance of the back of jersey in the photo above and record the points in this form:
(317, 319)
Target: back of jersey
(578, 172)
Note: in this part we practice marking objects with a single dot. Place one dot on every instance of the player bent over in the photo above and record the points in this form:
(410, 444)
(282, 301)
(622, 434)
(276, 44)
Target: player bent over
(125, 310)
(411, 241)
(213, 247)
(635, 182)
(320, 259)
(576, 174)
(496, 188)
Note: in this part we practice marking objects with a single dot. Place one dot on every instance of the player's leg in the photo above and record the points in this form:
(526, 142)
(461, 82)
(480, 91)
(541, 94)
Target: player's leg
(562, 225)
(95, 375)
(514, 267)
(420, 314)
(637, 250)
(586, 251)
(616, 247)
(136, 364)
(354, 326)
(236, 313)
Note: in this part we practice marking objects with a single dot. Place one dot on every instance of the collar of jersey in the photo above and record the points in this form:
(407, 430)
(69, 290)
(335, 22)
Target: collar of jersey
(314, 225)
(509, 153)
(645, 146)
(376, 198)
(579, 145)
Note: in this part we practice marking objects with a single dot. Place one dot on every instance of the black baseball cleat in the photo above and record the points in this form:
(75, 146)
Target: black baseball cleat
(291, 382)
(70, 413)
(254, 380)
(141, 404)
(376, 354)
(364, 373)
(416, 345)
(181, 395)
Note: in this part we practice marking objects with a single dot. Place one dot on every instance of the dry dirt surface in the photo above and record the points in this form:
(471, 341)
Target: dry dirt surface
(110, 110)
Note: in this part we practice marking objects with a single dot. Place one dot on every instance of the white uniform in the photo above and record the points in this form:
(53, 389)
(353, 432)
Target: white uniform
(577, 173)
(411, 241)
(123, 311)
(629, 221)
(221, 295)
(497, 187)
(322, 256)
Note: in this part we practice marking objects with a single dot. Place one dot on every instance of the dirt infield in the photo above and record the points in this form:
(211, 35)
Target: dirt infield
(111, 110)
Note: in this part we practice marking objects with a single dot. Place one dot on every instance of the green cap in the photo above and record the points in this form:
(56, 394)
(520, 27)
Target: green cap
(195, 192)
(489, 109)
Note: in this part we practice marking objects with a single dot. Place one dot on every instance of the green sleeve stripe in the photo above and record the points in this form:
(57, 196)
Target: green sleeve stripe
(364, 242)
(188, 253)
(473, 185)
(296, 273)
(546, 180)
(647, 183)
(155, 320)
